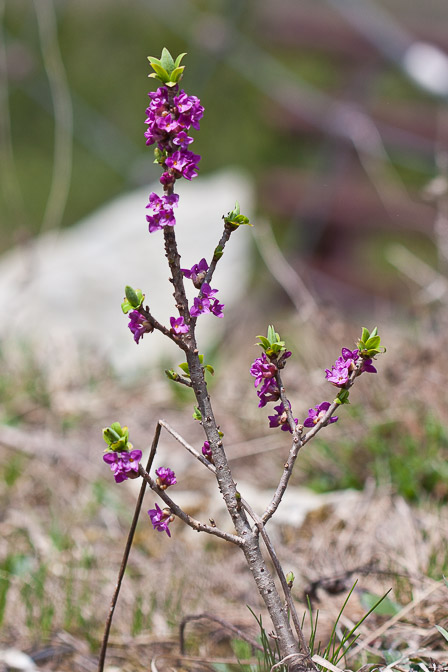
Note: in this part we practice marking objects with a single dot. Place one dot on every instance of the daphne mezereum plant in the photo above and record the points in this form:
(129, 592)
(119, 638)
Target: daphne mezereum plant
(171, 116)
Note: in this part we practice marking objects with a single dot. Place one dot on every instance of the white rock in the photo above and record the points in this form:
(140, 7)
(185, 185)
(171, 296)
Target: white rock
(17, 660)
(70, 285)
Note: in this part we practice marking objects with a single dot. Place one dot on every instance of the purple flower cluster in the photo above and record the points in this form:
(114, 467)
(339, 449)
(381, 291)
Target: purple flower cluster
(182, 163)
(170, 117)
(162, 211)
(196, 273)
(317, 413)
(281, 419)
(165, 477)
(139, 325)
(123, 464)
(160, 519)
(264, 372)
(344, 365)
(206, 301)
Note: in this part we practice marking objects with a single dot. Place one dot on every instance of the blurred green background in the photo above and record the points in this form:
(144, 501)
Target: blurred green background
(337, 109)
(318, 101)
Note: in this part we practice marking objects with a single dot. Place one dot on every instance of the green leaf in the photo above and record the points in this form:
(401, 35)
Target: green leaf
(442, 631)
(167, 61)
(116, 427)
(365, 334)
(172, 375)
(263, 342)
(210, 369)
(134, 296)
(290, 579)
(342, 397)
(179, 59)
(386, 607)
(160, 73)
(126, 307)
(152, 60)
(219, 251)
(185, 368)
(374, 332)
(234, 218)
(373, 342)
(110, 436)
(177, 74)
(197, 414)
(116, 436)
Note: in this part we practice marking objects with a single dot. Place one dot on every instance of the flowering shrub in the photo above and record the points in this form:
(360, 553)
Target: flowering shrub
(171, 115)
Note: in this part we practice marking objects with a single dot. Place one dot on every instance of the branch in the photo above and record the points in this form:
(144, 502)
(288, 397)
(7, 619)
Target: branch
(324, 421)
(192, 522)
(177, 378)
(299, 441)
(211, 269)
(186, 445)
(127, 550)
(222, 243)
(166, 332)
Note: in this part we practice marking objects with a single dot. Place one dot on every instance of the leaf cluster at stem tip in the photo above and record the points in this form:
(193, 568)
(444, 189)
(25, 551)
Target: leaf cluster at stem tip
(271, 344)
(369, 344)
(234, 218)
(166, 69)
(116, 437)
(133, 299)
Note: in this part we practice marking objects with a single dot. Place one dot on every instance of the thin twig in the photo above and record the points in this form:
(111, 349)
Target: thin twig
(186, 445)
(222, 243)
(127, 549)
(177, 378)
(185, 517)
(301, 441)
(229, 626)
(211, 269)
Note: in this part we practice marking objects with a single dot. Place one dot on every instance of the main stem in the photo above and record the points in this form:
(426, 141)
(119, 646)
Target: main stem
(251, 548)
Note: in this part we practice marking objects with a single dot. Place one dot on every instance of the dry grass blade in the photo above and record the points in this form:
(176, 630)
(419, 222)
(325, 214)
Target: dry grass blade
(325, 663)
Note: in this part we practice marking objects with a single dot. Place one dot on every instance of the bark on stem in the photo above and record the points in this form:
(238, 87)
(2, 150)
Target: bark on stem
(251, 541)
(251, 546)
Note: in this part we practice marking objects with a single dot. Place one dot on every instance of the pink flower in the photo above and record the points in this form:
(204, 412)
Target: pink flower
(178, 325)
(317, 413)
(123, 463)
(160, 519)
